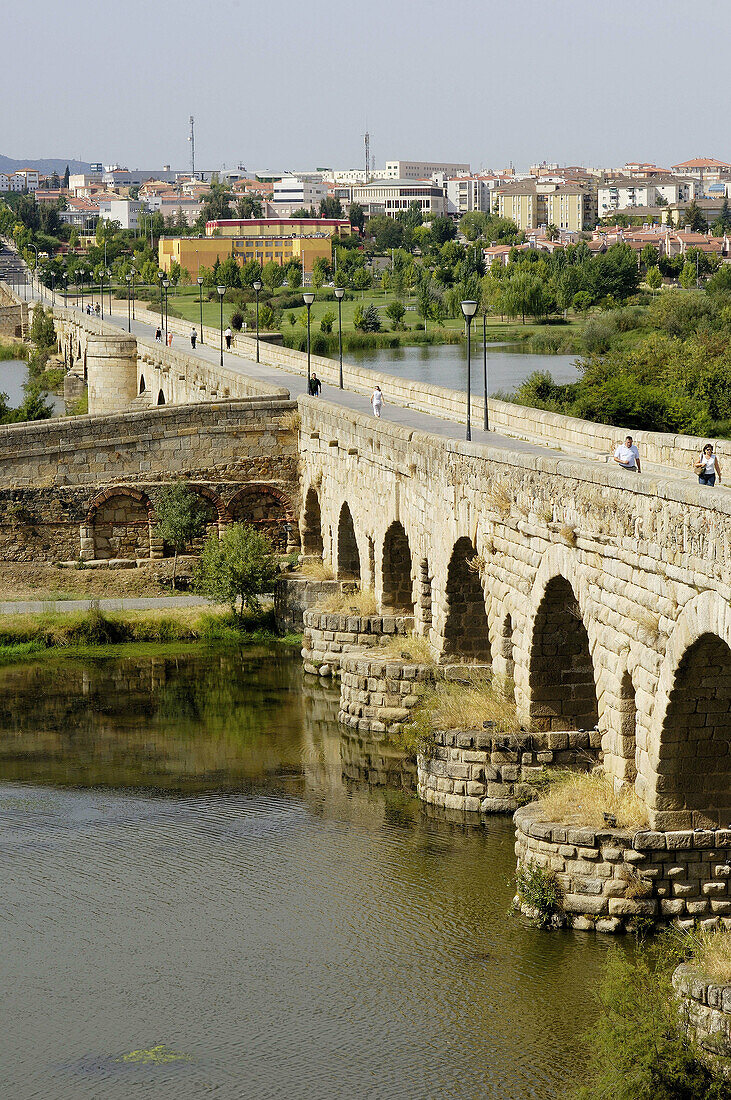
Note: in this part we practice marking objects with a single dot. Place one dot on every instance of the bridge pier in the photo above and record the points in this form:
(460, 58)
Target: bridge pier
(111, 367)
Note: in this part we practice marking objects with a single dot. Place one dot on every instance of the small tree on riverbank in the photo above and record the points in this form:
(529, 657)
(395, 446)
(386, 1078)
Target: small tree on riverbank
(180, 517)
(237, 569)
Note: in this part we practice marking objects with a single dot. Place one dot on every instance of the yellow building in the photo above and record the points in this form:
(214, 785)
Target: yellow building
(193, 253)
(571, 206)
(279, 227)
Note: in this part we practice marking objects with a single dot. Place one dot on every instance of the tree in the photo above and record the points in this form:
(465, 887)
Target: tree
(695, 219)
(442, 229)
(395, 312)
(331, 208)
(356, 216)
(366, 320)
(237, 568)
(320, 272)
(689, 275)
(229, 272)
(272, 275)
(723, 222)
(552, 232)
(473, 224)
(180, 518)
(326, 321)
(649, 256)
(42, 330)
(216, 204)
(386, 232)
(581, 301)
(66, 177)
(248, 207)
(654, 278)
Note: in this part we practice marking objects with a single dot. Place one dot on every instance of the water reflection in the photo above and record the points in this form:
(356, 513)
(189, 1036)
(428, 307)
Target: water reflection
(197, 859)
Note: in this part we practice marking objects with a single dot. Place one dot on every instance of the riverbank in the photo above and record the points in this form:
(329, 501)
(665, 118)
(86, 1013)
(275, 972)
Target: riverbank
(30, 636)
(29, 581)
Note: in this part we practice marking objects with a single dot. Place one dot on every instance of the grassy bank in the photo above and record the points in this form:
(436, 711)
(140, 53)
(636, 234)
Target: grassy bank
(26, 636)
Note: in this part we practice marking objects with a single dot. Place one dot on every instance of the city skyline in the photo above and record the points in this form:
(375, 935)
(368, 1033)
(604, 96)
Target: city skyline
(530, 84)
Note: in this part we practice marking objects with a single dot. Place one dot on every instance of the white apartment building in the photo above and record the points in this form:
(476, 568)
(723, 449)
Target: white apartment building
(466, 193)
(387, 196)
(623, 192)
(417, 170)
(25, 179)
(296, 192)
(124, 211)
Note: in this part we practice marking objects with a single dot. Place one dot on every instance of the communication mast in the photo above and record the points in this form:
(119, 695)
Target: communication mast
(367, 155)
(191, 139)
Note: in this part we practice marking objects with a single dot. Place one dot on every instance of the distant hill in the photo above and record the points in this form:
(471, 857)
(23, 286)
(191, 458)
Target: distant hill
(46, 167)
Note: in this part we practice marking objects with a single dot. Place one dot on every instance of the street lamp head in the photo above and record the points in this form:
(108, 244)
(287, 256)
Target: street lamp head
(221, 291)
(166, 283)
(129, 279)
(469, 309)
(132, 272)
(338, 292)
(199, 280)
(257, 285)
(109, 274)
(309, 297)
(161, 275)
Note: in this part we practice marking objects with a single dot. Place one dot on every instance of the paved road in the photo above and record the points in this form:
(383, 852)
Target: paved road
(141, 603)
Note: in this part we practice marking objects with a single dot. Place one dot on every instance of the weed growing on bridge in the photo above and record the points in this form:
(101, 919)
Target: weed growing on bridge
(585, 799)
(568, 534)
(411, 649)
(540, 892)
(316, 570)
(709, 951)
(466, 705)
(291, 421)
(360, 602)
(499, 497)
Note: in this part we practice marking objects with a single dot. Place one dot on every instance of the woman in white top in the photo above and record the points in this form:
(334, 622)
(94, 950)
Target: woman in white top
(377, 401)
(706, 466)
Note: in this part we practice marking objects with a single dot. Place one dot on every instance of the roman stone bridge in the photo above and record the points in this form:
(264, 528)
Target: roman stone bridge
(602, 596)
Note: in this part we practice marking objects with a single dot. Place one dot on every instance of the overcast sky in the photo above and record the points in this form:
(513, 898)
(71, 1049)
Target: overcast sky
(292, 85)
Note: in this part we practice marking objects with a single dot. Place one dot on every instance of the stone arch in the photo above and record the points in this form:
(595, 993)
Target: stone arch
(398, 587)
(143, 384)
(120, 524)
(695, 748)
(267, 508)
(561, 671)
(684, 765)
(312, 524)
(161, 398)
(466, 632)
(348, 556)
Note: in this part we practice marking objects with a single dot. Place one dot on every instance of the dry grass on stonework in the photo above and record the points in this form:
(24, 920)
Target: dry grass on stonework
(410, 648)
(452, 705)
(316, 571)
(362, 602)
(291, 421)
(584, 799)
(711, 953)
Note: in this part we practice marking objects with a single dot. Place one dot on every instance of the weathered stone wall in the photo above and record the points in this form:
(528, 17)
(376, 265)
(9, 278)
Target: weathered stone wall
(612, 877)
(474, 771)
(328, 635)
(705, 1014)
(14, 319)
(377, 694)
(593, 593)
(296, 594)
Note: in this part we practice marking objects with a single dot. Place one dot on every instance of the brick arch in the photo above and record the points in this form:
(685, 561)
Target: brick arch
(120, 523)
(396, 569)
(561, 678)
(265, 507)
(223, 514)
(685, 774)
(466, 631)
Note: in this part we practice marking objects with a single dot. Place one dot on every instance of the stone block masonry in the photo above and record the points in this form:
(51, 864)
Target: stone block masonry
(328, 635)
(705, 1014)
(611, 878)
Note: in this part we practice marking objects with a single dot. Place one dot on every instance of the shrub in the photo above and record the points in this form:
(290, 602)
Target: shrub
(597, 334)
(540, 891)
(237, 568)
(237, 320)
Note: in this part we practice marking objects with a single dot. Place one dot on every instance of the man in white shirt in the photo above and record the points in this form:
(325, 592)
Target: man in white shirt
(627, 456)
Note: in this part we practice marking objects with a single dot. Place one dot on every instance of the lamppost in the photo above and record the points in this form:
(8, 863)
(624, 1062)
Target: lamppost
(65, 278)
(309, 298)
(132, 272)
(161, 276)
(35, 266)
(129, 321)
(485, 421)
(199, 280)
(82, 276)
(339, 292)
(109, 283)
(166, 284)
(469, 309)
(257, 288)
(221, 291)
(101, 289)
(53, 287)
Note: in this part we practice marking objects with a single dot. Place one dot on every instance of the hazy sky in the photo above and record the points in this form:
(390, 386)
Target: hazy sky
(291, 85)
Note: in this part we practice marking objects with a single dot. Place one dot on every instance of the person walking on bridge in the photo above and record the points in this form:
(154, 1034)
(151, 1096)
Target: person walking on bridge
(707, 467)
(315, 385)
(193, 338)
(627, 456)
(158, 334)
(377, 401)
(228, 334)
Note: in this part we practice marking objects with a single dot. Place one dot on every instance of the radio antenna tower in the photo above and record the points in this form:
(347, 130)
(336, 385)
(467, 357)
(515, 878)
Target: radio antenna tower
(191, 139)
(367, 155)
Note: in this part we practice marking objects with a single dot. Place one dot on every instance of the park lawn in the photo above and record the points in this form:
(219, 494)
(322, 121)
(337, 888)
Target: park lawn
(184, 303)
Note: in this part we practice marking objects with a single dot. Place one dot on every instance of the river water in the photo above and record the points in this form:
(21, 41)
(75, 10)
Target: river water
(13, 376)
(446, 365)
(209, 889)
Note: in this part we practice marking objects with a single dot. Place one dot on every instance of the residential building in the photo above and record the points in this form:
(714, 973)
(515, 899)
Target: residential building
(122, 177)
(624, 191)
(82, 213)
(390, 196)
(523, 203)
(705, 169)
(466, 193)
(417, 170)
(529, 203)
(571, 206)
(81, 182)
(297, 192)
(124, 211)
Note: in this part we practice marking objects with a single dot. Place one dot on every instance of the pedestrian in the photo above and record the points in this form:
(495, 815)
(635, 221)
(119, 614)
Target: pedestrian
(97, 310)
(706, 466)
(193, 338)
(627, 456)
(315, 386)
(228, 334)
(170, 339)
(377, 401)
(158, 334)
